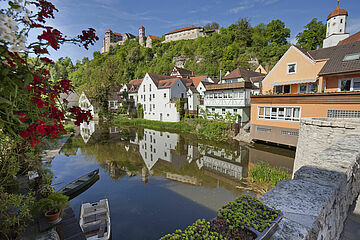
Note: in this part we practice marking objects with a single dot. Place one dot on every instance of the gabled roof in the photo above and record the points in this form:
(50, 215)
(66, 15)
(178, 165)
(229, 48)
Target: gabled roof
(158, 77)
(338, 11)
(196, 80)
(257, 79)
(135, 82)
(336, 65)
(183, 29)
(353, 38)
(118, 34)
(182, 72)
(226, 86)
(166, 83)
(242, 73)
(153, 37)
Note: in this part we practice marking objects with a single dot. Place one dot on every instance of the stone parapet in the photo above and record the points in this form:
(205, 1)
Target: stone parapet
(315, 202)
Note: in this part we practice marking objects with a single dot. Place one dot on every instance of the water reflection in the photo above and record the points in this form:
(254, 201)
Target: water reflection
(149, 152)
(150, 175)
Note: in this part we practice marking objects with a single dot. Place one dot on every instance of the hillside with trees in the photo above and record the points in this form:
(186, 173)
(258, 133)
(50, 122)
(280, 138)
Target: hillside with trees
(225, 50)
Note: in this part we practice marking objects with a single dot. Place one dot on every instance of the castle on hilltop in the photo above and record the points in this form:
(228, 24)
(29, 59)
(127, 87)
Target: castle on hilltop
(112, 39)
(192, 32)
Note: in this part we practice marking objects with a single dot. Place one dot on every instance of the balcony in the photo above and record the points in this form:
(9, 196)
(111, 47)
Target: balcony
(229, 102)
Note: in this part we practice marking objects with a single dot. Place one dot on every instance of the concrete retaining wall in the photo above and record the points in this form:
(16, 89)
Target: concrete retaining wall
(326, 181)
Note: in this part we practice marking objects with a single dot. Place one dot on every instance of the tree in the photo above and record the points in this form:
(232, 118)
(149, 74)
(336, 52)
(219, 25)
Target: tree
(243, 31)
(313, 35)
(277, 32)
(212, 26)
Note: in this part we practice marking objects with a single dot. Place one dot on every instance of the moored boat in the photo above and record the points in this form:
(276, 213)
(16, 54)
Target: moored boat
(95, 220)
(79, 185)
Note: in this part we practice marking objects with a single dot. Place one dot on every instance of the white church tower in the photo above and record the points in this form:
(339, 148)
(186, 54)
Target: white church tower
(336, 27)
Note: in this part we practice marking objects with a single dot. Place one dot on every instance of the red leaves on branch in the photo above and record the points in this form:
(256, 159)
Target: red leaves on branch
(39, 50)
(46, 10)
(53, 36)
(81, 115)
(47, 60)
(88, 37)
(23, 117)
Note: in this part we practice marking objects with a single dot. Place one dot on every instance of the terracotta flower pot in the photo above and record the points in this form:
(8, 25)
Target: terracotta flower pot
(51, 216)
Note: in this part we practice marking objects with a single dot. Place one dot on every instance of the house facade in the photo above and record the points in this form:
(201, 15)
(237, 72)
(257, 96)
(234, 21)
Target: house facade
(85, 104)
(318, 83)
(158, 94)
(228, 99)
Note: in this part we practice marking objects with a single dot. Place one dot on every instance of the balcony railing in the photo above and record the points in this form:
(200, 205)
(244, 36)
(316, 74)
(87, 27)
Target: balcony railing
(226, 102)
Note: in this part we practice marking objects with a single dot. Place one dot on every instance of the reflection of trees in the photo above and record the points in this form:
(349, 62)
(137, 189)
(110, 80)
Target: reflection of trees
(71, 145)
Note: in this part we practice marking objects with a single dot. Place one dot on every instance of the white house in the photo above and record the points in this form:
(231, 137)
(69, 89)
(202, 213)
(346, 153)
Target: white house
(157, 95)
(193, 97)
(228, 98)
(85, 104)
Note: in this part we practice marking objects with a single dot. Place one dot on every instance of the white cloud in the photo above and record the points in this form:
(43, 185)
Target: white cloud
(244, 5)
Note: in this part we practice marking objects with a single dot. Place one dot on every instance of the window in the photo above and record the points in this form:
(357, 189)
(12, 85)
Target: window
(343, 114)
(341, 21)
(352, 84)
(150, 97)
(308, 88)
(144, 88)
(282, 89)
(164, 95)
(279, 113)
(351, 57)
(213, 110)
(150, 87)
(235, 111)
(291, 68)
(153, 96)
(223, 111)
(111, 104)
(154, 106)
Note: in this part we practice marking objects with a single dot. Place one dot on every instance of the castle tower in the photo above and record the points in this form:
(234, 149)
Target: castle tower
(106, 43)
(142, 38)
(336, 27)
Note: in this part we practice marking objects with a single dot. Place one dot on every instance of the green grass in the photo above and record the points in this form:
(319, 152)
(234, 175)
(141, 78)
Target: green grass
(264, 173)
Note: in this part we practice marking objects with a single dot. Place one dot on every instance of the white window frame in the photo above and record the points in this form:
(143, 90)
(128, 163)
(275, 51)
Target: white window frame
(276, 117)
(356, 79)
(287, 68)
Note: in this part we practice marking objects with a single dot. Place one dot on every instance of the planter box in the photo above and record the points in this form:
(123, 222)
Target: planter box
(269, 231)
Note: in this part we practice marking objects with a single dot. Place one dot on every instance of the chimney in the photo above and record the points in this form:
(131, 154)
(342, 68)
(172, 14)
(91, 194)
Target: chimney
(267, 68)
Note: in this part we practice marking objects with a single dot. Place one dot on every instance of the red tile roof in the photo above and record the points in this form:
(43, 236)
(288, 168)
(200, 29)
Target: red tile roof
(196, 80)
(338, 11)
(182, 29)
(108, 30)
(242, 73)
(153, 37)
(136, 82)
(118, 34)
(353, 38)
(141, 26)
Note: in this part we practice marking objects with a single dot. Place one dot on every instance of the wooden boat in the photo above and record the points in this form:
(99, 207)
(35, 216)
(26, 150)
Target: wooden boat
(95, 220)
(76, 187)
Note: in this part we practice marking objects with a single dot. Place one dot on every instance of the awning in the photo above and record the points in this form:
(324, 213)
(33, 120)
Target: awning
(294, 82)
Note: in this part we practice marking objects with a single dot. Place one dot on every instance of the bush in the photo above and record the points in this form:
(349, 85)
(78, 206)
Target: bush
(264, 173)
(69, 128)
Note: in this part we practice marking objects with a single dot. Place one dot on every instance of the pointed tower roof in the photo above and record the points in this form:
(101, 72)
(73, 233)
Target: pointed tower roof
(141, 27)
(108, 30)
(338, 11)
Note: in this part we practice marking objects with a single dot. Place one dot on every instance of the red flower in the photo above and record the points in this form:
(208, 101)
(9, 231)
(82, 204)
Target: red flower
(39, 50)
(47, 60)
(23, 117)
(46, 11)
(52, 36)
(88, 37)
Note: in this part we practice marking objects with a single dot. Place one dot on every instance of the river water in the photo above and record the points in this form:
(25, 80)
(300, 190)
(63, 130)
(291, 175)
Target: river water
(157, 182)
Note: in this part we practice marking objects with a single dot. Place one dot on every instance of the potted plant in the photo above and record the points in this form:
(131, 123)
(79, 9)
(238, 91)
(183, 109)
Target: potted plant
(52, 206)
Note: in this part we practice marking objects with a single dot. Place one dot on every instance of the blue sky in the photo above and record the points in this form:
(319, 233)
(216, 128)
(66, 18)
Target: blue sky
(160, 16)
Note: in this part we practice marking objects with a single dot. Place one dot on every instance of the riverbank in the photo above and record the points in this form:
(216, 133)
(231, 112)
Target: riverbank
(211, 130)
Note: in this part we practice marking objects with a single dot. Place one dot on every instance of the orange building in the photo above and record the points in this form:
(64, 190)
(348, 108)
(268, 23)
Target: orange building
(318, 83)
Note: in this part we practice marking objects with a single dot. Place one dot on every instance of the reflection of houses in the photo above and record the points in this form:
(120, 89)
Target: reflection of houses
(86, 130)
(183, 179)
(223, 167)
(157, 145)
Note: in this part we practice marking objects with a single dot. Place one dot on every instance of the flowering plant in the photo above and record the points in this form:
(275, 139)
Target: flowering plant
(30, 105)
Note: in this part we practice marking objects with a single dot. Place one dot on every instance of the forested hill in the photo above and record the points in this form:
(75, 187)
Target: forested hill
(232, 47)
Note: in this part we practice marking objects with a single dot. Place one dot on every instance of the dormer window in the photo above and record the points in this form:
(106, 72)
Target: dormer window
(291, 68)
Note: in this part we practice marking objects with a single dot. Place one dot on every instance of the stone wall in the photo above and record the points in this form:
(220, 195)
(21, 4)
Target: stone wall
(326, 181)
